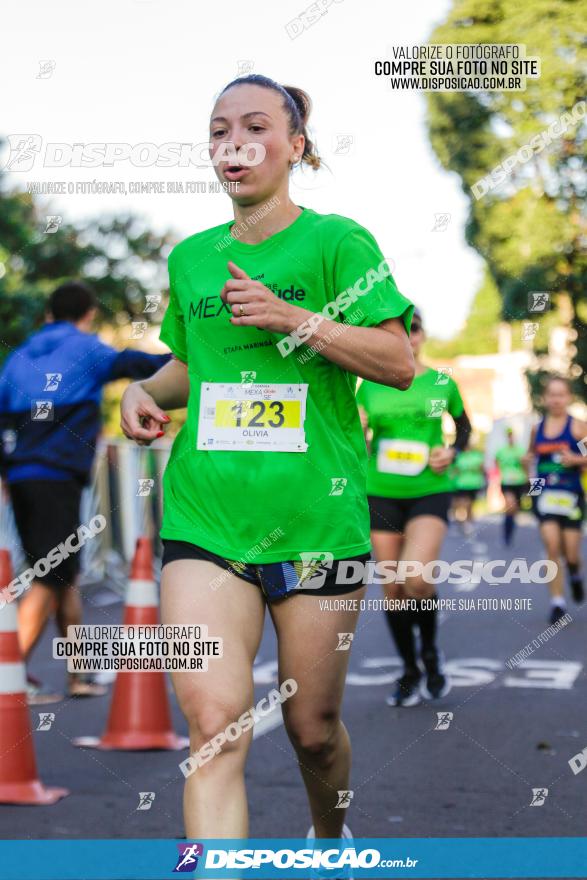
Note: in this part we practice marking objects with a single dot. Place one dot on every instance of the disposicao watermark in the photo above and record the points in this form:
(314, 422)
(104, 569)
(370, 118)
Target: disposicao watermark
(526, 153)
(332, 309)
(54, 557)
(235, 730)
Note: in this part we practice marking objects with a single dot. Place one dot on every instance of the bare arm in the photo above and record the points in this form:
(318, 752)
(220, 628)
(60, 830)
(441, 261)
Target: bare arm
(382, 354)
(143, 403)
(576, 459)
(170, 386)
(528, 459)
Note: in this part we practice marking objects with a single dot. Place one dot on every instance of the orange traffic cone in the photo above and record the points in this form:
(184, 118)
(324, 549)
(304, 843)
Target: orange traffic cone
(139, 717)
(19, 783)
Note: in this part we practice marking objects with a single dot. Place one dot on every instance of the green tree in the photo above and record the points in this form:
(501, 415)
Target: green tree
(120, 257)
(532, 229)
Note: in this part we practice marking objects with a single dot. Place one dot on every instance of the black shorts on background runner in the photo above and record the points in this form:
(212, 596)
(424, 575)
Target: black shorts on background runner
(467, 493)
(392, 514)
(565, 522)
(518, 491)
(276, 579)
(46, 513)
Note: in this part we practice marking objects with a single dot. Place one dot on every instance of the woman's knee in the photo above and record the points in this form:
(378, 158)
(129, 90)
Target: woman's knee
(214, 721)
(314, 734)
(418, 588)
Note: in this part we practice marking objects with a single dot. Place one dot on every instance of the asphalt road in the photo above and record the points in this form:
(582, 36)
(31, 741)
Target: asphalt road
(511, 731)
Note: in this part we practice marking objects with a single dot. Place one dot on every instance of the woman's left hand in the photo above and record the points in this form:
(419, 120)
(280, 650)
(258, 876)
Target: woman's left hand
(254, 305)
(440, 458)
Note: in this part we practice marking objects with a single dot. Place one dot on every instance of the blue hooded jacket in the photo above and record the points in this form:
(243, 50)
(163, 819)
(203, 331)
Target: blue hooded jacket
(50, 395)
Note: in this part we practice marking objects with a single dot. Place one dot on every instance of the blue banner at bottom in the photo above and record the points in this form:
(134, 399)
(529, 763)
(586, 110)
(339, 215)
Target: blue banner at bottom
(269, 858)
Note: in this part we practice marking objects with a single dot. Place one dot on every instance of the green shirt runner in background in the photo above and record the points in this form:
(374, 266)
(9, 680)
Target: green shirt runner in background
(406, 425)
(509, 461)
(468, 470)
(271, 504)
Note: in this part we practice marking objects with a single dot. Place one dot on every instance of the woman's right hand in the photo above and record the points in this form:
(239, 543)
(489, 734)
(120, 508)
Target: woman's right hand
(141, 419)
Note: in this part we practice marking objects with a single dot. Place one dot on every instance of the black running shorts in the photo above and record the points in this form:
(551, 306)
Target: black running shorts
(46, 513)
(276, 579)
(392, 514)
(517, 490)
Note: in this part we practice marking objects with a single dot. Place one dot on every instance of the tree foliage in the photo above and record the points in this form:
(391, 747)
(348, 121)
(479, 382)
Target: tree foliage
(119, 257)
(531, 230)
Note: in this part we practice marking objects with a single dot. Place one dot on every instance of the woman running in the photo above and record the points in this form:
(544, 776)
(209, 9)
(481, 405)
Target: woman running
(468, 476)
(270, 318)
(557, 494)
(514, 481)
(409, 496)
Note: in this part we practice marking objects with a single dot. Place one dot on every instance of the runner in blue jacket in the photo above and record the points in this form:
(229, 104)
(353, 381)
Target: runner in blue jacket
(50, 396)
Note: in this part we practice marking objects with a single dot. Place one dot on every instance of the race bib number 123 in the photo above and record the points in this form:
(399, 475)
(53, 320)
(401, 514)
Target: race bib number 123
(252, 417)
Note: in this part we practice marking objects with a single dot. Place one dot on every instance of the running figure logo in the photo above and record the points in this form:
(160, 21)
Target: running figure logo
(23, 151)
(187, 860)
(529, 330)
(444, 719)
(138, 329)
(441, 222)
(443, 375)
(145, 487)
(436, 408)
(344, 799)
(539, 795)
(248, 376)
(536, 486)
(52, 381)
(146, 799)
(46, 68)
(53, 223)
(152, 302)
(46, 719)
(42, 411)
(538, 301)
(314, 568)
(344, 641)
(343, 144)
(338, 485)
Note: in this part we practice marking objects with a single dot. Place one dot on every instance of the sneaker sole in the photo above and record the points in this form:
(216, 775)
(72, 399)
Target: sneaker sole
(413, 700)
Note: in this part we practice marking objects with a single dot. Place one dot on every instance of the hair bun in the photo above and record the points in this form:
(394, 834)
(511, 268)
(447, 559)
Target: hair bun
(302, 101)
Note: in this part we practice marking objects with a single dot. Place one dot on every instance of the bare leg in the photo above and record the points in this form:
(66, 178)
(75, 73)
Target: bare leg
(34, 610)
(312, 714)
(572, 551)
(215, 803)
(69, 608)
(551, 535)
(572, 546)
(423, 542)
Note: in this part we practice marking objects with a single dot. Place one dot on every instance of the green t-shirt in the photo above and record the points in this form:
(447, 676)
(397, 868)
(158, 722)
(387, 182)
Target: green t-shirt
(509, 460)
(252, 504)
(467, 471)
(406, 426)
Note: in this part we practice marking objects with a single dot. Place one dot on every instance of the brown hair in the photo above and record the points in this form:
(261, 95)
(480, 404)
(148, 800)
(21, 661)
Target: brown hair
(550, 379)
(297, 105)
